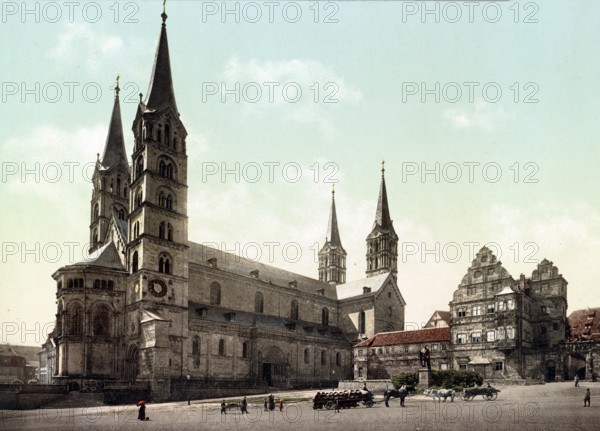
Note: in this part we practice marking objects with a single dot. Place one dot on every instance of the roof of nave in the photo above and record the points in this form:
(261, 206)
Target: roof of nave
(232, 263)
(584, 324)
(426, 335)
(122, 225)
(106, 256)
(355, 288)
(265, 322)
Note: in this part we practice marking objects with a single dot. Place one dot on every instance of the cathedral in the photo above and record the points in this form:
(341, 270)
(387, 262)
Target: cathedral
(150, 307)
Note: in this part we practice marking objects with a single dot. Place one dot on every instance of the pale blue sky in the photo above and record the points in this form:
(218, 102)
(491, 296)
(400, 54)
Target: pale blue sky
(369, 54)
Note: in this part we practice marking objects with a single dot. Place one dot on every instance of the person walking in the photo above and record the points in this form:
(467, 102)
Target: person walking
(244, 406)
(336, 405)
(587, 398)
(223, 408)
(576, 380)
(281, 406)
(266, 408)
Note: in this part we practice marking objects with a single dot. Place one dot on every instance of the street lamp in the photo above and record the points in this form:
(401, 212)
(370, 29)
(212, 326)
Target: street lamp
(187, 382)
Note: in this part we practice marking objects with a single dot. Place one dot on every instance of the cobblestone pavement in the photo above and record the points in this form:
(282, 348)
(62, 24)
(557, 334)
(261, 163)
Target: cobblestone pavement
(556, 406)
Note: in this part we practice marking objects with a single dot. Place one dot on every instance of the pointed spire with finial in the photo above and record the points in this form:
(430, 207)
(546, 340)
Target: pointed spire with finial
(160, 91)
(114, 149)
(382, 215)
(333, 232)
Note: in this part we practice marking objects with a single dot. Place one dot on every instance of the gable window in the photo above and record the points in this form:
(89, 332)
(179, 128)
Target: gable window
(461, 312)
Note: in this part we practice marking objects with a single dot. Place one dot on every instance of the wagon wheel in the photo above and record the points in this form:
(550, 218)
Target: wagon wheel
(329, 405)
(491, 396)
(369, 403)
(468, 397)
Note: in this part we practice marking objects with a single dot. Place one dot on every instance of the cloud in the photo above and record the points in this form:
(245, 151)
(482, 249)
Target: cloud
(307, 89)
(478, 116)
(79, 43)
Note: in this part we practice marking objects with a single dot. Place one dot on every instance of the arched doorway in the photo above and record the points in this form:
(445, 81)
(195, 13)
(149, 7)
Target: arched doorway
(274, 367)
(550, 371)
(131, 363)
(574, 364)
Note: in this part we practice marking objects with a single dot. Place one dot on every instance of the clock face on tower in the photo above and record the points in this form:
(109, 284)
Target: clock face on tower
(157, 288)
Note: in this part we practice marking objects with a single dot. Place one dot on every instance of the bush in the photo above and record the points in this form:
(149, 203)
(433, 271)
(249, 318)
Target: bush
(409, 379)
(455, 378)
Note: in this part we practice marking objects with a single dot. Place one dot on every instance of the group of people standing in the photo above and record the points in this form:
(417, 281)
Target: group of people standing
(269, 405)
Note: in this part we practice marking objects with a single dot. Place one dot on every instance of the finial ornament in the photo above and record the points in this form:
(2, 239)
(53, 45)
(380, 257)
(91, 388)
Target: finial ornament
(382, 167)
(117, 89)
(141, 97)
(164, 14)
(333, 191)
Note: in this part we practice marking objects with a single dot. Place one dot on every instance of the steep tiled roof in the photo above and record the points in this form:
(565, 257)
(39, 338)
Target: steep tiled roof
(355, 288)
(584, 324)
(105, 257)
(444, 315)
(427, 335)
(200, 254)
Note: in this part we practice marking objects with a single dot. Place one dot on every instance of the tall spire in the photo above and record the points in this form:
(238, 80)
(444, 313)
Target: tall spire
(382, 215)
(114, 149)
(333, 232)
(160, 91)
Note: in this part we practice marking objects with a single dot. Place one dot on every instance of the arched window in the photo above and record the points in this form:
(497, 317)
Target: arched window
(75, 320)
(111, 285)
(325, 316)
(96, 284)
(101, 321)
(165, 264)
(258, 302)
(119, 186)
(221, 347)
(136, 229)
(306, 356)
(165, 200)
(161, 230)
(244, 350)
(134, 262)
(139, 167)
(95, 237)
(96, 212)
(104, 285)
(70, 283)
(323, 357)
(121, 214)
(169, 232)
(196, 351)
(167, 135)
(215, 293)
(294, 315)
(361, 322)
(138, 199)
(338, 359)
(159, 135)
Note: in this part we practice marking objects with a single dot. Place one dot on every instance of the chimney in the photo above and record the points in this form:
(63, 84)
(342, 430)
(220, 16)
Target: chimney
(366, 290)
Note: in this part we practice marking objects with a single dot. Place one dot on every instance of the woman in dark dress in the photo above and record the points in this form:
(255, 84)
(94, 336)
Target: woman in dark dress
(142, 413)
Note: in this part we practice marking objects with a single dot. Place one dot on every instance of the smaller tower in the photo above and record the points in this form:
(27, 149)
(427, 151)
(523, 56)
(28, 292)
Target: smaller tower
(110, 180)
(332, 257)
(382, 242)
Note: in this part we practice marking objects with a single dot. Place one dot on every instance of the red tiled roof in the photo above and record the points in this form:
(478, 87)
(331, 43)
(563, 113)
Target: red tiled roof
(584, 324)
(427, 335)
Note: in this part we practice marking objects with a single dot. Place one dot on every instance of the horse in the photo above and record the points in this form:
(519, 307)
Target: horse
(401, 393)
(439, 394)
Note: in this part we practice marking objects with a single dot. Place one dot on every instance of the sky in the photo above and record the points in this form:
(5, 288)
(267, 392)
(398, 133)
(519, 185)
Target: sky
(485, 114)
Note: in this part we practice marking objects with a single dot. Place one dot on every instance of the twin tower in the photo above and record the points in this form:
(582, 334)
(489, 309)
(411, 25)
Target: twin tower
(154, 192)
(382, 244)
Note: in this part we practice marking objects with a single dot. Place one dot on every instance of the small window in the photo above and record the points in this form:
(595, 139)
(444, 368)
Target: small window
(221, 347)
(491, 336)
(510, 333)
(258, 302)
(306, 356)
(245, 350)
(555, 326)
(361, 322)
(476, 337)
(461, 338)
(461, 312)
(325, 316)
(404, 349)
(323, 357)
(477, 274)
(490, 271)
(499, 366)
(215, 293)
(500, 334)
(360, 371)
(338, 359)
(490, 309)
(477, 309)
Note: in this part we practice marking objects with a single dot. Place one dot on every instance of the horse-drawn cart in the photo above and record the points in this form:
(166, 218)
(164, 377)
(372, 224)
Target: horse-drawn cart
(488, 393)
(345, 399)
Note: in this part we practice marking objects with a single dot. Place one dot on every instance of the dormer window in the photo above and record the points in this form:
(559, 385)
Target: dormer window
(212, 262)
(254, 274)
(293, 284)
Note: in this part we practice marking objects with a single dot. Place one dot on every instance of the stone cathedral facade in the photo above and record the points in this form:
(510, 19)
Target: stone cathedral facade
(150, 307)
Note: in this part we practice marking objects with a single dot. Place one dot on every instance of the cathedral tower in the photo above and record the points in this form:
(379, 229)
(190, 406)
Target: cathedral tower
(158, 227)
(110, 179)
(332, 257)
(382, 242)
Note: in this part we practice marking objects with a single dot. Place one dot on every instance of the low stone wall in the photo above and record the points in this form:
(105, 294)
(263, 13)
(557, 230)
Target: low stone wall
(375, 386)
(26, 401)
